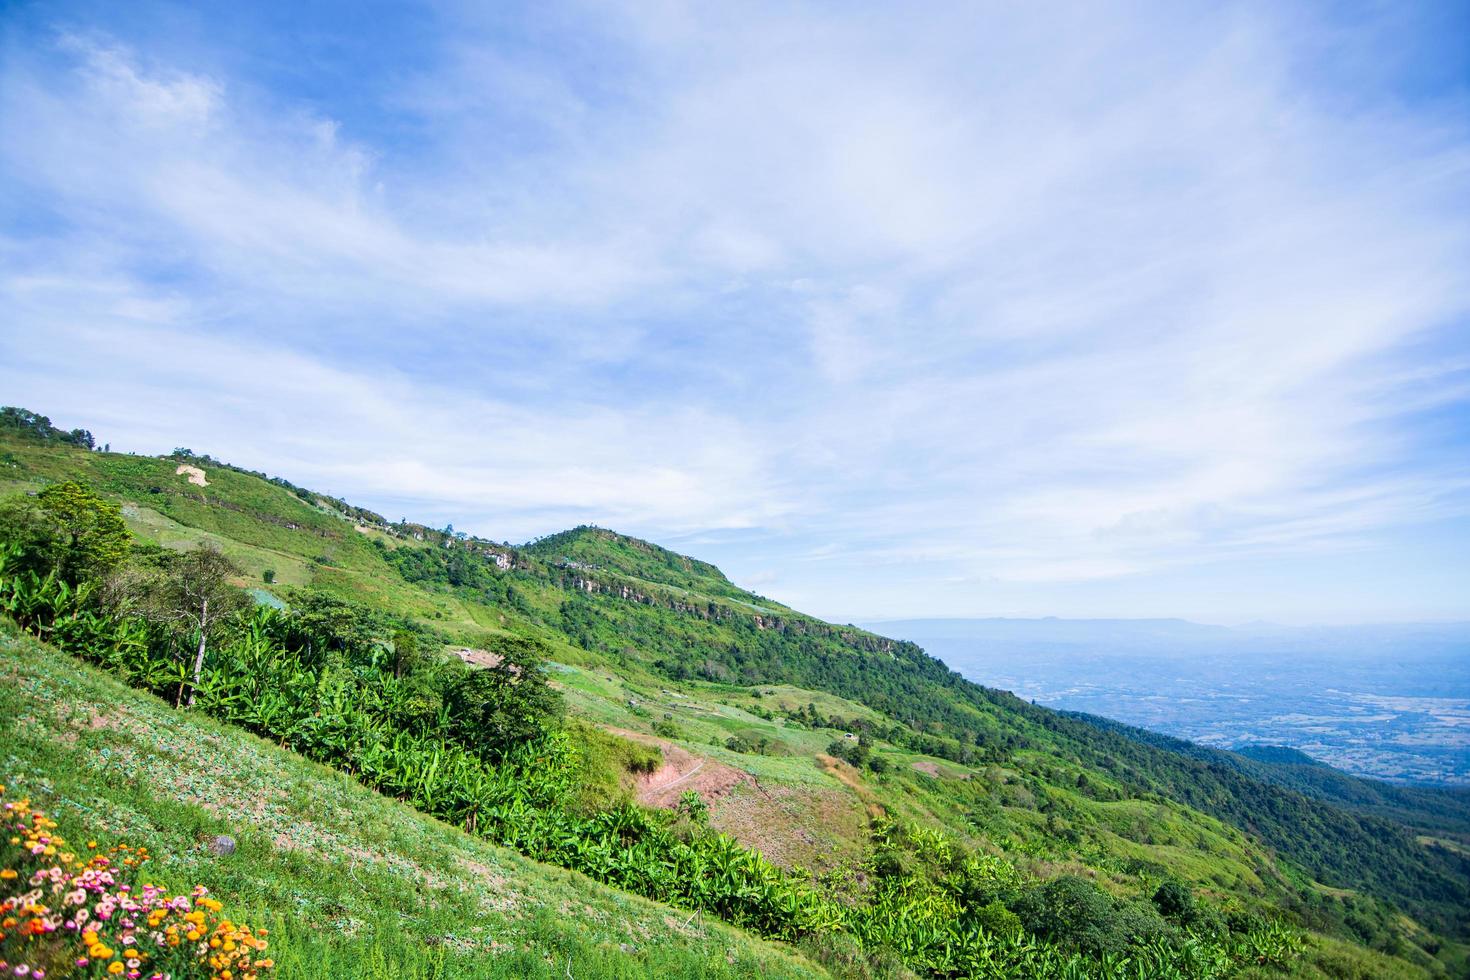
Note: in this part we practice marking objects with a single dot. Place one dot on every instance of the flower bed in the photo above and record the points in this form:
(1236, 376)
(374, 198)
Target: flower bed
(68, 912)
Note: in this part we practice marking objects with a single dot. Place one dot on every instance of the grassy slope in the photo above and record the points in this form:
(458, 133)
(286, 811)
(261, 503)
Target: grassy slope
(805, 808)
(353, 884)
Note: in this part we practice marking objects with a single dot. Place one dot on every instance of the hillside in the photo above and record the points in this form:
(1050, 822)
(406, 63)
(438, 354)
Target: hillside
(798, 733)
(351, 883)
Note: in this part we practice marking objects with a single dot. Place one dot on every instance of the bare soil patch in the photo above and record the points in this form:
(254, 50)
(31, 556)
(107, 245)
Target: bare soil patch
(194, 473)
(480, 658)
(681, 772)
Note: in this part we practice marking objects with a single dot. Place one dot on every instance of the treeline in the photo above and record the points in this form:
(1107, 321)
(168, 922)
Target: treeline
(979, 752)
(38, 428)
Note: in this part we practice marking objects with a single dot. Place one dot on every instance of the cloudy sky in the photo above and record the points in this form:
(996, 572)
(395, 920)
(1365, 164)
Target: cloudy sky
(1082, 309)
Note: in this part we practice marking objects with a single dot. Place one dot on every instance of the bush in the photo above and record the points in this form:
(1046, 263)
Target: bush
(1174, 900)
(998, 920)
(1075, 912)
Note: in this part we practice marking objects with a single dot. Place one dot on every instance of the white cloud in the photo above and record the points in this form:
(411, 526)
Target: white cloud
(1030, 294)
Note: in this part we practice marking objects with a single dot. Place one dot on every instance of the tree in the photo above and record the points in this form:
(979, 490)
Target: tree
(405, 652)
(69, 529)
(1075, 912)
(325, 623)
(196, 593)
(92, 535)
(497, 708)
(29, 531)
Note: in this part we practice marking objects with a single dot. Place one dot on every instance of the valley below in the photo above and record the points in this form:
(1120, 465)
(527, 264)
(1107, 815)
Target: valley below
(1384, 702)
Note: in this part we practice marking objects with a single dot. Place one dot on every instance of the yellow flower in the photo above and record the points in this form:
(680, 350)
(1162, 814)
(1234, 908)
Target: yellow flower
(8, 873)
(116, 968)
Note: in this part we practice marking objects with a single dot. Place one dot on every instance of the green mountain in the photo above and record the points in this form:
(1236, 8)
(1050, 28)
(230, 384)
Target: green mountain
(909, 822)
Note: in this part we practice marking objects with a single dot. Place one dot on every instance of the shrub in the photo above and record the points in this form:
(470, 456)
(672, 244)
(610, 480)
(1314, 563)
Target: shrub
(995, 918)
(692, 807)
(1174, 900)
(1075, 912)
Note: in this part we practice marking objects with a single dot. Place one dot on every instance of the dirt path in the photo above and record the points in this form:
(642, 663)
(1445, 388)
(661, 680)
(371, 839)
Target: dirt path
(681, 772)
(687, 776)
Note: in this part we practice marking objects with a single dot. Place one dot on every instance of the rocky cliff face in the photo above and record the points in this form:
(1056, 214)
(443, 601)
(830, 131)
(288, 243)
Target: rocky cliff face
(715, 611)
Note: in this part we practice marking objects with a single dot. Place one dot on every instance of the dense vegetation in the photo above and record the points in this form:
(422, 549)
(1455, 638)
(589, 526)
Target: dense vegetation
(1070, 846)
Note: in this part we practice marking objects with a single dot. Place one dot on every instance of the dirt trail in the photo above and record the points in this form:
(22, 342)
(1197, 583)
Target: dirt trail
(681, 772)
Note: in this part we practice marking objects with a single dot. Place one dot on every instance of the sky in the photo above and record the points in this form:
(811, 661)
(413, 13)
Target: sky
(890, 310)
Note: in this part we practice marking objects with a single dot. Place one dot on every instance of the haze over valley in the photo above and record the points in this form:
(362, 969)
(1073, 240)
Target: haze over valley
(1383, 701)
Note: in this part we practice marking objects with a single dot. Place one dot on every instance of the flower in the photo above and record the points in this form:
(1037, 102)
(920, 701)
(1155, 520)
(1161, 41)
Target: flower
(104, 911)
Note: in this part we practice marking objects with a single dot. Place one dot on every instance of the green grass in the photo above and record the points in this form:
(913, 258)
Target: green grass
(351, 883)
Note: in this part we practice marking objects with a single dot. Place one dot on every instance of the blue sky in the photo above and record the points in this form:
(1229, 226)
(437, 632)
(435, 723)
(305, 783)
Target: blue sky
(1082, 309)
